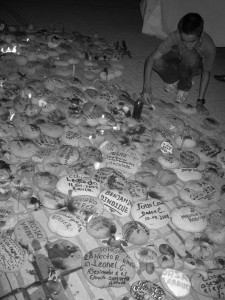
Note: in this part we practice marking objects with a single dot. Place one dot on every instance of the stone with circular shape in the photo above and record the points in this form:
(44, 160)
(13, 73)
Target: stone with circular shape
(45, 181)
(110, 178)
(30, 234)
(151, 165)
(136, 233)
(108, 267)
(172, 123)
(145, 255)
(107, 147)
(189, 159)
(185, 142)
(162, 193)
(168, 161)
(137, 190)
(219, 262)
(64, 254)
(187, 108)
(145, 289)
(166, 177)
(165, 249)
(199, 193)
(91, 154)
(67, 224)
(212, 287)
(68, 155)
(116, 202)
(75, 185)
(186, 174)
(12, 257)
(52, 200)
(187, 218)
(89, 204)
(152, 213)
(30, 131)
(71, 138)
(175, 282)
(101, 227)
(166, 147)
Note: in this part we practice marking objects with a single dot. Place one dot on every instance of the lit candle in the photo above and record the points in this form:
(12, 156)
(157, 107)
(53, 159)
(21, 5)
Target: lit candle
(102, 120)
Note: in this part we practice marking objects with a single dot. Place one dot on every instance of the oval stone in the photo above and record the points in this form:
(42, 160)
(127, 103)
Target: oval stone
(213, 287)
(152, 213)
(53, 200)
(189, 159)
(74, 185)
(175, 282)
(101, 227)
(137, 190)
(88, 204)
(110, 178)
(187, 218)
(186, 174)
(116, 202)
(136, 233)
(108, 267)
(68, 155)
(143, 289)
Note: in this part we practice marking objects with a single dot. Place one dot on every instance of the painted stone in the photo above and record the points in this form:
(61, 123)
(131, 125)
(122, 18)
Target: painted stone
(166, 147)
(29, 233)
(189, 159)
(101, 227)
(22, 148)
(152, 213)
(90, 154)
(145, 289)
(108, 267)
(67, 224)
(88, 204)
(71, 138)
(186, 174)
(166, 177)
(116, 202)
(131, 152)
(146, 178)
(162, 193)
(74, 185)
(136, 233)
(110, 178)
(52, 200)
(199, 193)
(187, 218)
(208, 149)
(168, 161)
(64, 254)
(137, 190)
(45, 181)
(47, 142)
(213, 287)
(67, 155)
(12, 257)
(107, 147)
(27, 169)
(185, 142)
(121, 162)
(8, 218)
(175, 282)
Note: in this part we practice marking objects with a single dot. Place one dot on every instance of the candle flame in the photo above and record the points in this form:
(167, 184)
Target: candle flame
(9, 49)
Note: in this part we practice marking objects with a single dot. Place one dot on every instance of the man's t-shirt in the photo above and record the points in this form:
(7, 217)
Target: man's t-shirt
(206, 48)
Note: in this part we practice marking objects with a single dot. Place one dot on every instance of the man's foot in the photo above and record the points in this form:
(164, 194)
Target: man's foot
(201, 109)
(171, 87)
(181, 96)
(220, 77)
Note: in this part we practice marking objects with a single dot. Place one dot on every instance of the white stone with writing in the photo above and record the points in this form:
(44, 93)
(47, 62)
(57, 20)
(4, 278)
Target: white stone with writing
(186, 174)
(153, 213)
(108, 267)
(52, 200)
(101, 227)
(75, 185)
(187, 218)
(175, 282)
(67, 155)
(88, 204)
(116, 202)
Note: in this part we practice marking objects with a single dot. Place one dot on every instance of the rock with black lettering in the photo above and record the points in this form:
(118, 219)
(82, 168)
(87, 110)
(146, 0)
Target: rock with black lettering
(168, 161)
(71, 138)
(162, 193)
(189, 159)
(137, 190)
(67, 224)
(41, 154)
(75, 185)
(30, 234)
(199, 193)
(208, 149)
(8, 218)
(52, 200)
(51, 129)
(187, 218)
(110, 178)
(22, 148)
(68, 155)
(108, 267)
(175, 282)
(153, 213)
(12, 257)
(116, 202)
(121, 162)
(145, 289)
(47, 142)
(64, 254)
(212, 287)
(27, 169)
(101, 227)
(135, 233)
(89, 204)
(45, 181)
(186, 174)
(91, 154)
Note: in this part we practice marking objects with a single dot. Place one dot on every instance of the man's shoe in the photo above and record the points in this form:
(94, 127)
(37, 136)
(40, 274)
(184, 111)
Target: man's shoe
(181, 96)
(171, 87)
(220, 77)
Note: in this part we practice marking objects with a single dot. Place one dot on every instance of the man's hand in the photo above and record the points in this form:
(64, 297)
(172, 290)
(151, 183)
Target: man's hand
(147, 95)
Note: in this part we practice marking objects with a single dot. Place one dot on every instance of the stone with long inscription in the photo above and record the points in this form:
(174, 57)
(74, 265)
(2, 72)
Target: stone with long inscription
(67, 224)
(212, 287)
(101, 227)
(116, 202)
(67, 155)
(52, 200)
(199, 193)
(71, 138)
(189, 159)
(121, 162)
(175, 282)
(153, 213)
(186, 174)
(75, 185)
(187, 218)
(137, 190)
(29, 233)
(145, 289)
(89, 204)
(135, 233)
(64, 254)
(208, 149)
(12, 257)
(108, 267)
